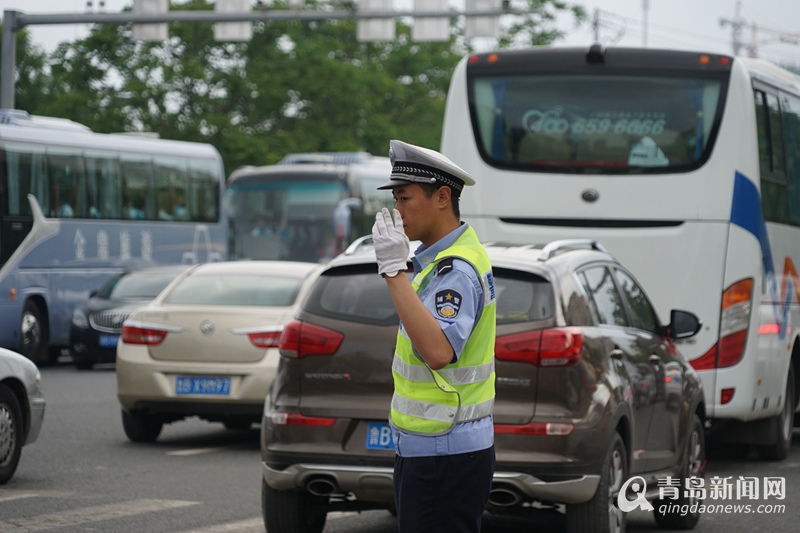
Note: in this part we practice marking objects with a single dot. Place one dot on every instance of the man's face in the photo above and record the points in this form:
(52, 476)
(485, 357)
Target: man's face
(417, 210)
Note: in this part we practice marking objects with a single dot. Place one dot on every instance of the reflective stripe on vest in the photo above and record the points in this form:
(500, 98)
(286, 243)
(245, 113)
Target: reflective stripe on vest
(453, 376)
(429, 402)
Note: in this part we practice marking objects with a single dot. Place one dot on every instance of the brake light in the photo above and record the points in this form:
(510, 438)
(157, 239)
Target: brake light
(545, 348)
(265, 339)
(301, 339)
(143, 335)
(735, 318)
(736, 309)
(520, 347)
(296, 419)
(534, 428)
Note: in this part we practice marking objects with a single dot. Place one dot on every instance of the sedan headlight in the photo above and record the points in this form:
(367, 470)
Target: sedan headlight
(79, 319)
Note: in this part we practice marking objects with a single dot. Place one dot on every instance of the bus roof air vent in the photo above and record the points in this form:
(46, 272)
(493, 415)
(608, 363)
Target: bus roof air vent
(596, 54)
(19, 117)
(332, 158)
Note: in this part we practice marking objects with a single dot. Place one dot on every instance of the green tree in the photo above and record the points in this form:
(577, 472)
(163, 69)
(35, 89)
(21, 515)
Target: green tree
(297, 86)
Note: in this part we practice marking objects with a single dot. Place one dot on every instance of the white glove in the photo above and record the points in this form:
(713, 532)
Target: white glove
(391, 243)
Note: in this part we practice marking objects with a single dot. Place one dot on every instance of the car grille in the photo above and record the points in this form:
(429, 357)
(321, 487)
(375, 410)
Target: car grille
(108, 321)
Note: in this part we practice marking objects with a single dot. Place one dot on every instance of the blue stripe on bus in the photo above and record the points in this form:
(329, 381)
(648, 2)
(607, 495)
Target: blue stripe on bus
(746, 213)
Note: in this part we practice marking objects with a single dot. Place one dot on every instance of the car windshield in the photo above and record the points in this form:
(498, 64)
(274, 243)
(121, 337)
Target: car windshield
(137, 285)
(235, 289)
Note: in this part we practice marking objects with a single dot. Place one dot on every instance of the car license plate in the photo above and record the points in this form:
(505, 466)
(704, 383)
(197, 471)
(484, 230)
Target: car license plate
(379, 437)
(202, 385)
(108, 341)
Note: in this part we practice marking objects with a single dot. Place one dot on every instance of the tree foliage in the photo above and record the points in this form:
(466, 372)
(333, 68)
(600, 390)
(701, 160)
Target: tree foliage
(296, 86)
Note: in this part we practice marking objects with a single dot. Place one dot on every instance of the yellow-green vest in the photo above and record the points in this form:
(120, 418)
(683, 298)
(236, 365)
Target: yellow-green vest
(431, 402)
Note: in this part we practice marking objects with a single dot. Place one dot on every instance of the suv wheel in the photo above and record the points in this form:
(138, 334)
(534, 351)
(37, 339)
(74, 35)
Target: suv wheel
(693, 466)
(140, 427)
(601, 514)
(292, 511)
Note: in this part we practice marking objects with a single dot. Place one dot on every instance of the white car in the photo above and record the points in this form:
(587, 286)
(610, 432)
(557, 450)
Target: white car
(207, 345)
(21, 409)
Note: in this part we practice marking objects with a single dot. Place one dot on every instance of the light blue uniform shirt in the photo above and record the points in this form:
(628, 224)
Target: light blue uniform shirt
(466, 436)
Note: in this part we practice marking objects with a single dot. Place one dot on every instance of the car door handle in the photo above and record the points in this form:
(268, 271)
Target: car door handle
(617, 354)
(655, 360)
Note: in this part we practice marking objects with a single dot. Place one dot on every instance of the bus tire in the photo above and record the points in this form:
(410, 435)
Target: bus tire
(11, 433)
(784, 425)
(33, 337)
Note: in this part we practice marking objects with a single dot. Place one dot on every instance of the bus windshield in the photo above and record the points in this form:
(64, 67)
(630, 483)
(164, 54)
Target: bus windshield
(580, 123)
(284, 219)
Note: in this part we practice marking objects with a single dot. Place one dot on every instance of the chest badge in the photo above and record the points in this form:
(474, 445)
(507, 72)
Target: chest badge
(448, 304)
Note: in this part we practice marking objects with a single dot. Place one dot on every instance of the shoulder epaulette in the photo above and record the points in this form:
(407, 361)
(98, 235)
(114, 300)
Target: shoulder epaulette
(444, 266)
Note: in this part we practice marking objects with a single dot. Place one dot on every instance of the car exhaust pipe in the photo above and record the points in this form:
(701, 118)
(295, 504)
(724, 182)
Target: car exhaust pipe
(504, 496)
(322, 486)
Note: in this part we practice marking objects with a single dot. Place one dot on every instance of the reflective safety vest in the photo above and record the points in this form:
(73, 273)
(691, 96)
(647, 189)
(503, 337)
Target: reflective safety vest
(431, 402)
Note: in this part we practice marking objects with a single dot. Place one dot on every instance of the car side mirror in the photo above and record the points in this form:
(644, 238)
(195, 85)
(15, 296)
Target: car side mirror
(683, 324)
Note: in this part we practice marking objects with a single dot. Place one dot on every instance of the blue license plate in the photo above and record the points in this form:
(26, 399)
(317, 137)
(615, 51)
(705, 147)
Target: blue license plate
(202, 385)
(108, 341)
(379, 437)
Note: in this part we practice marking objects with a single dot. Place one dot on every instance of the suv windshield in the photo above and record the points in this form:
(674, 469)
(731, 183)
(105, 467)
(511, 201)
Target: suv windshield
(572, 123)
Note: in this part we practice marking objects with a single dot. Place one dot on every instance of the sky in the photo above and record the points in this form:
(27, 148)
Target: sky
(681, 24)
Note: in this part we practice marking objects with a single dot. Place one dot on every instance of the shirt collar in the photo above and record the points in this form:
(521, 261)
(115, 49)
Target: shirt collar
(424, 256)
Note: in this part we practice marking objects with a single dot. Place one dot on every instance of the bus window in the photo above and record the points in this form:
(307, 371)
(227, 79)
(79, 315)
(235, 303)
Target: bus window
(775, 134)
(67, 185)
(791, 130)
(25, 174)
(764, 157)
(774, 187)
(204, 195)
(103, 184)
(571, 122)
(172, 180)
(137, 192)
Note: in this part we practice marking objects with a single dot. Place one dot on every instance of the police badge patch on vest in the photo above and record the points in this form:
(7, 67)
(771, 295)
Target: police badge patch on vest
(448, 303)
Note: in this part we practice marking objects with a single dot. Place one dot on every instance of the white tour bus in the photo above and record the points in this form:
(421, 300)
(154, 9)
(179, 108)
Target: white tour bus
(686, 166)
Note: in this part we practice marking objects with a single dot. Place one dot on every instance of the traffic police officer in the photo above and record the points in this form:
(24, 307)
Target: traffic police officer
(443, 368)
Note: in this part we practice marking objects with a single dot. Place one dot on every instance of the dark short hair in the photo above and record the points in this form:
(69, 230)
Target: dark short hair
(428, 189)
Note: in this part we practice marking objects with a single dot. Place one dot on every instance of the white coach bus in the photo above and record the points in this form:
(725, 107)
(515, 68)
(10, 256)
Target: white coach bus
(686, 166)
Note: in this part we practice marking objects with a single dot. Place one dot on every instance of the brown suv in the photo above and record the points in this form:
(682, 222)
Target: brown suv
(591, 391)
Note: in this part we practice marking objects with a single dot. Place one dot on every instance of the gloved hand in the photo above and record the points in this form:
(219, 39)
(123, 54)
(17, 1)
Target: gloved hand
(391, 243)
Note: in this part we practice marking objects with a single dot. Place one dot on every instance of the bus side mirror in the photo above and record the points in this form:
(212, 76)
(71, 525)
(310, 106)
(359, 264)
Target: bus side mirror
(683, 324)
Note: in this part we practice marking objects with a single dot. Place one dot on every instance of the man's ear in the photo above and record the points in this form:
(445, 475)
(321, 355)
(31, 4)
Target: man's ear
(443, 195)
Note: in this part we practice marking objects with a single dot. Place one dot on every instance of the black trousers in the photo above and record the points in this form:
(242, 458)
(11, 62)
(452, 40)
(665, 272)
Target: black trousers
(443, 493)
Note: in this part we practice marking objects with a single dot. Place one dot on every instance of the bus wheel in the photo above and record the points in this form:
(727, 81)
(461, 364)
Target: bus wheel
(33, 334)
(785, 422)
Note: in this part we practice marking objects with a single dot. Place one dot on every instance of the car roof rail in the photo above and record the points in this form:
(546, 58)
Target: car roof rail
(568, 244)
(357, 244)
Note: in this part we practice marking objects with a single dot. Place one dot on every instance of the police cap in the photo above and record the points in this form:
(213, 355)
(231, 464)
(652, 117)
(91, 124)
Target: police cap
(414, 164)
